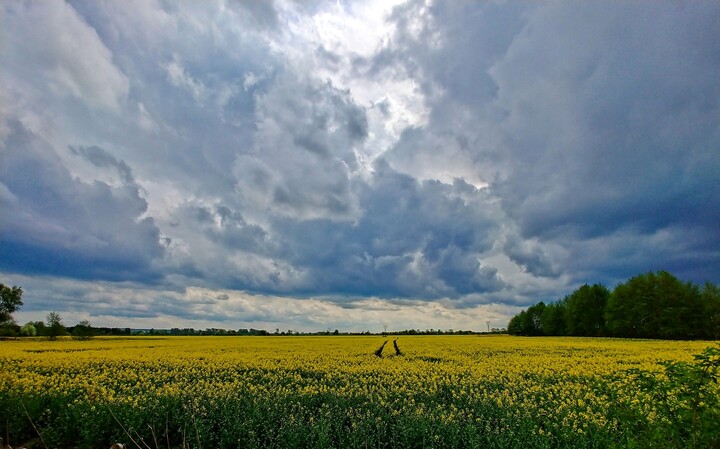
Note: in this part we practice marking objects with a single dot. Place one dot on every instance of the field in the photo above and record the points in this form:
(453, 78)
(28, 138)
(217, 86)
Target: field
(332, 391)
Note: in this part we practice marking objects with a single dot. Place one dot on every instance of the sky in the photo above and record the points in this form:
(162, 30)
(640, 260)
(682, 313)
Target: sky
(351, 165)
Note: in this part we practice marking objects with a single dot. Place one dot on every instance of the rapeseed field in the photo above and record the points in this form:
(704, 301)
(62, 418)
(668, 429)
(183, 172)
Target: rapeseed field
(333, 391)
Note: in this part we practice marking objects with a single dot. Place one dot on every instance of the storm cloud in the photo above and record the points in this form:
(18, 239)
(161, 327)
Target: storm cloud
(54, 223)
(314, 165)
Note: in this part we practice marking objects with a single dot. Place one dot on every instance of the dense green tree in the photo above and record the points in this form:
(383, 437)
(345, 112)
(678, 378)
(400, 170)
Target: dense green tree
(40, 328)
(710, 299)
(618, 320)
(650, 305)
(28, 330)
(55, 327)
(679, 308)
(631, 309)
(655, 305)
(553, 319)
(585, 310)
(9, 329)
(83, 331)
(528, 322)
(517, 324)
(10, 301)
(535, 314)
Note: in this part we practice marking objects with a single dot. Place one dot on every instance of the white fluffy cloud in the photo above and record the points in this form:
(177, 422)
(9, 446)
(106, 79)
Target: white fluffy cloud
(49, 49)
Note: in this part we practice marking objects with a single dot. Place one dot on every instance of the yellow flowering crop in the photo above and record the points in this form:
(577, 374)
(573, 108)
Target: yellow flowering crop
(484, 387)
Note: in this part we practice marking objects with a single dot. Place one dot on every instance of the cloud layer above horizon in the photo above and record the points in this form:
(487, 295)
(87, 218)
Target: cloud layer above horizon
(350, 164)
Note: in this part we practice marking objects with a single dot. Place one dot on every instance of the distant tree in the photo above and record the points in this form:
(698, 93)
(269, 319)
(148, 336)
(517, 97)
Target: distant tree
(83, 331)
(534, 322)
(710, 299)
(528, 322)
(650, 305)
(655, 305)
(517, 325)
(55, 327)
(10, 301)
(10, 329)
(585, 311)
(620, 319)
(553, 319)
(40, 328)
(632, 308)
(28, 330)
(679, 306)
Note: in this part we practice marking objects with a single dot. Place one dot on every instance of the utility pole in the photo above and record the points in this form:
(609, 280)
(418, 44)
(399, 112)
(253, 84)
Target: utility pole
(488, 325)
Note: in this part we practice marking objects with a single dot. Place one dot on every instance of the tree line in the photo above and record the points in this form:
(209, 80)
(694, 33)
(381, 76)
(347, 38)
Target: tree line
(650, 305)
(53, 326)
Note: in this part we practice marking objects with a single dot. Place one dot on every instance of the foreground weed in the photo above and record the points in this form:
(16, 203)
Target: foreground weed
(686, 395)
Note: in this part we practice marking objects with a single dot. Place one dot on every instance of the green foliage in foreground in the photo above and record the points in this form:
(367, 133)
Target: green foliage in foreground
(687, 395)
(303, 421)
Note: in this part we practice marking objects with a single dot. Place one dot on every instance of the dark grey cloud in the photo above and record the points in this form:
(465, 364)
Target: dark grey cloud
(616, 120)
(414, 239)
(529, 257)
(587, 120)
(227, 228)
(54, 223)
(195, 73)
(101, 159)
(450, 47)
(304, 152)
